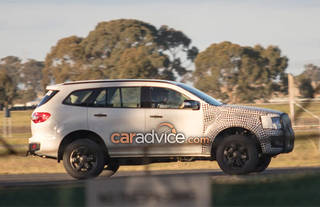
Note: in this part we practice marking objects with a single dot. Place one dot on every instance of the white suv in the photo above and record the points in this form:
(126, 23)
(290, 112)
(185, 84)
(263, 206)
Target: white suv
(99, 125)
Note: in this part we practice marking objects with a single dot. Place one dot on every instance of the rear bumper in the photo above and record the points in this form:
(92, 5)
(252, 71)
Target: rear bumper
(33, 147)
(44, 146)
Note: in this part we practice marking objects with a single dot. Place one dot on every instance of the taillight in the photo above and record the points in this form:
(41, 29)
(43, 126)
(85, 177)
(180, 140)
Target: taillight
(38, 117)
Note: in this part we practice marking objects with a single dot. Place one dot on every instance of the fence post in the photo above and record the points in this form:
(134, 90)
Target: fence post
(7, 124)
(291, 97)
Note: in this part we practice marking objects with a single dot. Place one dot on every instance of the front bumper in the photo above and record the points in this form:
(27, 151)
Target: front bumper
(283, 143)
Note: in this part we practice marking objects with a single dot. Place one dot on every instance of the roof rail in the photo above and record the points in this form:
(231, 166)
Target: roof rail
(118, 80)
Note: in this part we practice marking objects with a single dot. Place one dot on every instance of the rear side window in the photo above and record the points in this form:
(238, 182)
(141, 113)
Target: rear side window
(114, 97)
(131, 97)
(47, 97)
(100, 100)
(78, 98)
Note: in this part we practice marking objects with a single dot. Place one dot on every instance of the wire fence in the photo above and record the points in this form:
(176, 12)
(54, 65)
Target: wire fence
(15, 130)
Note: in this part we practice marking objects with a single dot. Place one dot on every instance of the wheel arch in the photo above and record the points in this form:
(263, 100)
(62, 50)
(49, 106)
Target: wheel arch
(81, 134)
(234, 130)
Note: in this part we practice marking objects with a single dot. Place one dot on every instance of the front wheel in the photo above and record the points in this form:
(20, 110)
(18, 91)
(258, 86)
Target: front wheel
(237, 154)
(83, 159)
(263, 163)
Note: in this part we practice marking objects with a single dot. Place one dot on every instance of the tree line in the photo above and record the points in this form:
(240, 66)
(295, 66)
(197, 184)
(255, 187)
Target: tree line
(127, 48)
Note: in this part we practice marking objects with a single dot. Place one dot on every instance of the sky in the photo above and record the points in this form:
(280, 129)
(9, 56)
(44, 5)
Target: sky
(29, 28)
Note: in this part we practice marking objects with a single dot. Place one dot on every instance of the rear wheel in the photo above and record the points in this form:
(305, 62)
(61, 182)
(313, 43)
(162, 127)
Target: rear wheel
(110, 168)
(237, 154)
(83, 159)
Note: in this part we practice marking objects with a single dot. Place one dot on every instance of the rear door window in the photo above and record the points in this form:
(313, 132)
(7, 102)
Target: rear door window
(131, 97)
(114, 97)
(117, 97)
(100, 99)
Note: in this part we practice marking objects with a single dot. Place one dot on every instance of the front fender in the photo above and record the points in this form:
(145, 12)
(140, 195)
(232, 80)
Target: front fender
(248, 122)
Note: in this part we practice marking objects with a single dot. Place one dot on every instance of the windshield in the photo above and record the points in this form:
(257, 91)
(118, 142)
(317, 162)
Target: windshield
(200, 94)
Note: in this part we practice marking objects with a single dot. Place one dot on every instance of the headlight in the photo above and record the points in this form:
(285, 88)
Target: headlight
(271, 122)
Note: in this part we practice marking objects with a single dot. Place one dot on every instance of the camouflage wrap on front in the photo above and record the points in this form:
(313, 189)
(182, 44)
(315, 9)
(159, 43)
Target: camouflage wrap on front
(218, 118)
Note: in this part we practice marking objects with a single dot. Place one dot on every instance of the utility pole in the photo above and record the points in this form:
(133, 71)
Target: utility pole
(291, 90)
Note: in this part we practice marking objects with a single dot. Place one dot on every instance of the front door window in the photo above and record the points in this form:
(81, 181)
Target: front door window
(165, 98)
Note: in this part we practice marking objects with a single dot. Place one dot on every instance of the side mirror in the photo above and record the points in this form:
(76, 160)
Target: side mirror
(191, 104)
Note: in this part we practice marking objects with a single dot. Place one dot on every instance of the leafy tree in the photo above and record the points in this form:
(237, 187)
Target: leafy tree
(23, 96)
(282, 87)
(139, 63)
(309, 81)
(239, 74)
(174, 43)
(64, 62)
(25, 76)
(31, 75)
(7, 88)
(305, 88)
(312, 72)
(12, 65)
(121, 48)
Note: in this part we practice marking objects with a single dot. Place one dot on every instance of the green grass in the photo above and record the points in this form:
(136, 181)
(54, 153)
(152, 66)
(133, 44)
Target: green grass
(278, 107)
(19, 118)
(313, 107)
(290, 190)
(56, 195)
(305, 153)
(294, 189)
(19, 138)
(301, 116)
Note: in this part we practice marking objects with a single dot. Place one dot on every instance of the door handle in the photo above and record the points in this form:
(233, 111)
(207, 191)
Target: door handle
(100, 115)
(155, 116)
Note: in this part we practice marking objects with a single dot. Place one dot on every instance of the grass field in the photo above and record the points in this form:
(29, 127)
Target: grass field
(301, 117)
(290, 190)
(306, 151)
(56, 195)
(20, 127)
(294, 189)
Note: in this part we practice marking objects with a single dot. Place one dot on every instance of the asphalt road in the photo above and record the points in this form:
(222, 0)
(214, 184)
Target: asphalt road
(64, 178)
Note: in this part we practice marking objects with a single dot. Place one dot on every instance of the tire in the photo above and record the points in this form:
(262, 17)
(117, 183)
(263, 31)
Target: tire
(111, 168)
(237, 155)
(263, 163)
(83, 159)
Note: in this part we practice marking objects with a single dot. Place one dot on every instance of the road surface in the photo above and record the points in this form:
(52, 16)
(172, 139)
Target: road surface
(64, 178)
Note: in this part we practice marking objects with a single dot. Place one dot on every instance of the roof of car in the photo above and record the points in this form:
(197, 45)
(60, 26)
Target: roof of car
(55, 87)
(118, 80)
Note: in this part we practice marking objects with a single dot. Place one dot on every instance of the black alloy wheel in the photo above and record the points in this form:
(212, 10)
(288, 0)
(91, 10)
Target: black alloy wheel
(83, 159)
(237, 154)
